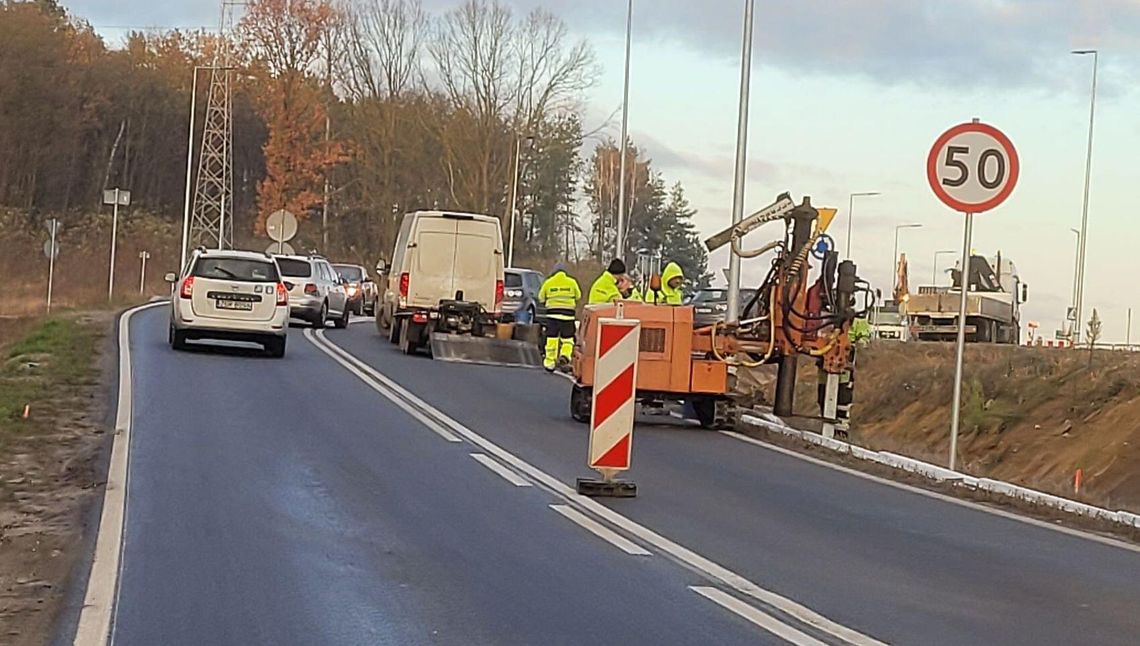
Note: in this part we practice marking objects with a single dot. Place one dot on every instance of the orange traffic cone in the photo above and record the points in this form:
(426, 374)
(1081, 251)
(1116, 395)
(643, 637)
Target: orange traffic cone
(1078, 477)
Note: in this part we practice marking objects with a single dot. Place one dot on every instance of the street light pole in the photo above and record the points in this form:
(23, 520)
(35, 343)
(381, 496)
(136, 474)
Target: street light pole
(733, 306)
(189, 171)
(514, 202)
(934, 272)
(514, 195)
(851, 215)
(620, 243)
(895, 257)
(1076, 279)
(1085, 205)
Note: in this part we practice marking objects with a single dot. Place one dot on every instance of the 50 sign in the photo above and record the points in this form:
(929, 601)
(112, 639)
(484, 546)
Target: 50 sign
(972, 167)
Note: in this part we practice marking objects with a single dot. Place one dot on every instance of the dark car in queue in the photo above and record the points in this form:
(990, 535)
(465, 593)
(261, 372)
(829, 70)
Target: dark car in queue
(711, 304)
(520, 294)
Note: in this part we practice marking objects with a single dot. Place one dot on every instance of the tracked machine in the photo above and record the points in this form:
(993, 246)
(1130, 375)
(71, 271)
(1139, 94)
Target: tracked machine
(805, 306)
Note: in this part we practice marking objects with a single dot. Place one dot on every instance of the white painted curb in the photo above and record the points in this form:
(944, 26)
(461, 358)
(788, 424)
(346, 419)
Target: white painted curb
(941, 474)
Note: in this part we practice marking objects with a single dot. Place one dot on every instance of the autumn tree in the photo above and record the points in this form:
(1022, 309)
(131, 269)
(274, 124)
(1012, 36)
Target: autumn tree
(284, 41)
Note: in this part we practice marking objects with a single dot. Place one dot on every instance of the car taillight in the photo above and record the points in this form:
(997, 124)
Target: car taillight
(498, 292)
(187, 287)
(404, 280)
(311, 289)
(282, 295)
(420, 317)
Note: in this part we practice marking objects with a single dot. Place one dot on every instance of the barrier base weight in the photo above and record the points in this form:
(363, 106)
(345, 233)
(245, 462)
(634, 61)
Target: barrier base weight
(596, 488)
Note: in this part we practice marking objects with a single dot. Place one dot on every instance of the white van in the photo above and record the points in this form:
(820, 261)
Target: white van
(446, 275)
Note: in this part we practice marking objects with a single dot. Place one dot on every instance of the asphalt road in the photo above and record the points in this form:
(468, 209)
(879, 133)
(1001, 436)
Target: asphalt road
(292, 502)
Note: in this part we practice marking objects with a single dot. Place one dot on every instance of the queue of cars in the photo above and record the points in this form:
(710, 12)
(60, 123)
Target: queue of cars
(246, 296)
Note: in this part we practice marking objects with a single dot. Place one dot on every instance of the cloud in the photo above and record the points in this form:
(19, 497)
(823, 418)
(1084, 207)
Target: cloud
(962, 43)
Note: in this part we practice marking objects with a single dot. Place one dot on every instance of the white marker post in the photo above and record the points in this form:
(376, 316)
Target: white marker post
(143, 255)
(972, 168)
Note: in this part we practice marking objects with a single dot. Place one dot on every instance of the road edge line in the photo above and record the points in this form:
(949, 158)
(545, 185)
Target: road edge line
(756, 616)
(601, 531)
(99, 600)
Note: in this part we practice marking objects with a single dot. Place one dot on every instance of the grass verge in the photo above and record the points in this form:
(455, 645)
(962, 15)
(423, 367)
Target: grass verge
(58, 355)
(48, 464)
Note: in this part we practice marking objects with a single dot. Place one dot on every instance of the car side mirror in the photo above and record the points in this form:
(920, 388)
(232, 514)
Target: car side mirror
(381, 266)
(170, 277)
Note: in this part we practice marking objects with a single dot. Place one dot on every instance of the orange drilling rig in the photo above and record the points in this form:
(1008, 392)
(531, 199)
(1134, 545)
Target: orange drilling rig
(798, 309)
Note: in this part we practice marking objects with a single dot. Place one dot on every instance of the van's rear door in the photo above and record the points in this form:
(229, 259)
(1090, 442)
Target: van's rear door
(478, 260)
(432, 265)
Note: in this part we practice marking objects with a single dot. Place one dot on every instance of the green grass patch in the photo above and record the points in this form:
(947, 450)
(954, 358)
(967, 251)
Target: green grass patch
(56, 357)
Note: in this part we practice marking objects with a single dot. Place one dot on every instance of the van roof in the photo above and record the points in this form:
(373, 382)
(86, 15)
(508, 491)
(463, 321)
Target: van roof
(460, 214)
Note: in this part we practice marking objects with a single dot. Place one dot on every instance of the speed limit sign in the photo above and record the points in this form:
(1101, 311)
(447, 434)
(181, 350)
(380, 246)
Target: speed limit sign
(972, 167)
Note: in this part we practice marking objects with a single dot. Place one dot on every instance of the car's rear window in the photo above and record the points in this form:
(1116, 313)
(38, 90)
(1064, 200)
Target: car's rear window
(350, 272)
(295, 268)
(710, 296)
(240, 269)
(512, 280)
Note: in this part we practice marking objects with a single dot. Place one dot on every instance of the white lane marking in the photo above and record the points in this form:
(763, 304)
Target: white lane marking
(354, 320)
(601, 531)
(500, 470)
(94, 626)
(1104, 540)
(761, 619)
(379, 387)
(678, 552)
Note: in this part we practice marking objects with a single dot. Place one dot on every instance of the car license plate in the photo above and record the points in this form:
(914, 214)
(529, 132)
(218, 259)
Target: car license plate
(233, 305)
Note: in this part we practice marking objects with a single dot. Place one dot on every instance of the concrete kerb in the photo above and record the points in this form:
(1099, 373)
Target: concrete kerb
(941, 474)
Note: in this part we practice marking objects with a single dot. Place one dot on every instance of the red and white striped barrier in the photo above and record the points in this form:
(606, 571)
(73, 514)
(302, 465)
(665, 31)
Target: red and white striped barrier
(614, 402)
(1049, 343)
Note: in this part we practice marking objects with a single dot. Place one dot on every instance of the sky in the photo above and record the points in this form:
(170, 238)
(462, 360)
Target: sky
(848, 96)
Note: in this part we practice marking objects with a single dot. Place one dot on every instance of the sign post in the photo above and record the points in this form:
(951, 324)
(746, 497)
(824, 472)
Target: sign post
(972, 168)
(613, 407)
(117, 198)
(51, 250)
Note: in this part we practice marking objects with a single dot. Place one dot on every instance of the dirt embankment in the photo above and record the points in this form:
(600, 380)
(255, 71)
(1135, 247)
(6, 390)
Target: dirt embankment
(48, 463)
(1032, 416)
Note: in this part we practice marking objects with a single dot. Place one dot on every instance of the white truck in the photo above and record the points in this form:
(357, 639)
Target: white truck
(444, 290)
(993, 304)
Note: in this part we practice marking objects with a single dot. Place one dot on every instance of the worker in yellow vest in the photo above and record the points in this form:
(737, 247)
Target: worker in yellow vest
(560, 294)
(607, 288)
(670, 291)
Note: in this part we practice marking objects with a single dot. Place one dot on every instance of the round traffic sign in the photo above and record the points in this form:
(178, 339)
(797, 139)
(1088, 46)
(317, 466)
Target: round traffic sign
(281, 226)
(50, 250)
(972, 167)
(281, 249)
(822, 246)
